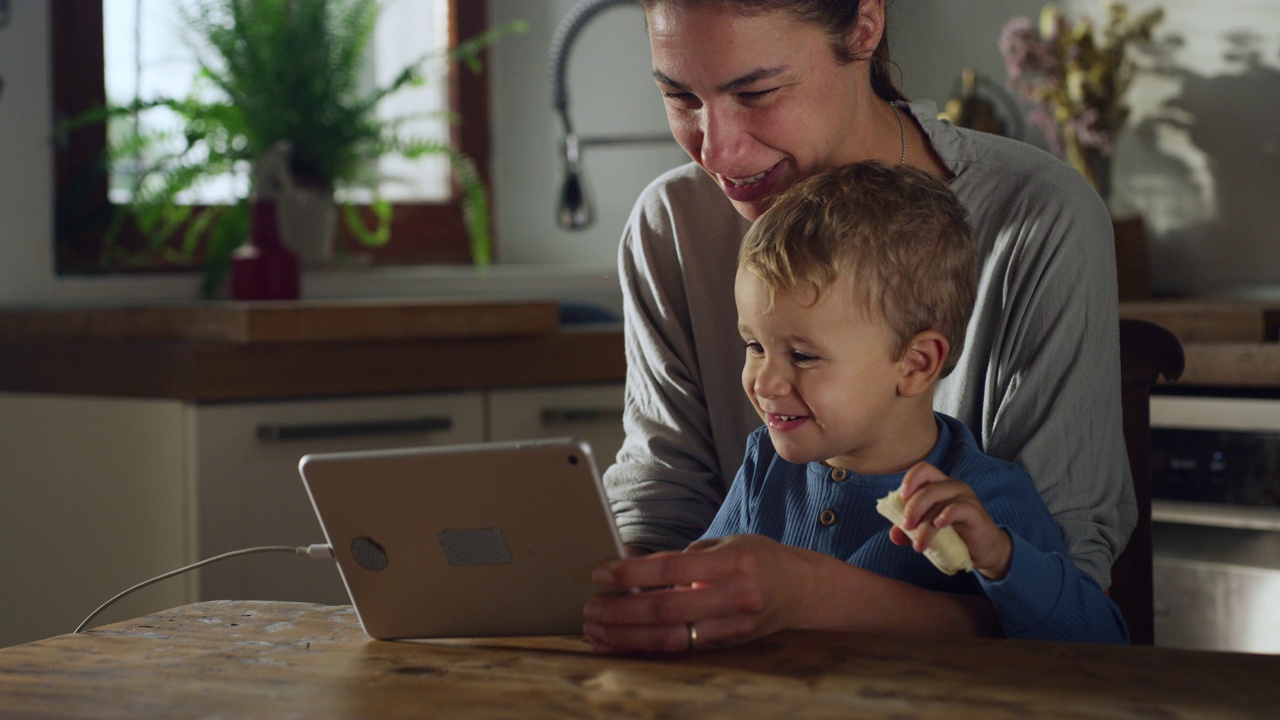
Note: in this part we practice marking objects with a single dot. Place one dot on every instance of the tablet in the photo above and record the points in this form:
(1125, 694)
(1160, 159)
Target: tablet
(465, 540)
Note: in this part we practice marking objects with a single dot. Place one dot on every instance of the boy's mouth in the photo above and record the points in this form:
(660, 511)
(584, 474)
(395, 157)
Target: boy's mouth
(777, 421)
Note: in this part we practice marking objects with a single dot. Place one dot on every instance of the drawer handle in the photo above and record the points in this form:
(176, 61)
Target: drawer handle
(564, 416)
(359, 428)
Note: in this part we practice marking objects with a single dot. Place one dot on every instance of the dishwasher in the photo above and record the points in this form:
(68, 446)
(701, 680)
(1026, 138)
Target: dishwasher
(1216, 522)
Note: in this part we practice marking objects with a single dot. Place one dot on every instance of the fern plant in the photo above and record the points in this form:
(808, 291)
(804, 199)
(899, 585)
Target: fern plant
(283, 70)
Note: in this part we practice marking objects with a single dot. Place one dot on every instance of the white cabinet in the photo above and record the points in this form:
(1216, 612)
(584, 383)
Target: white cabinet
(248, 491)
(591, 412)
(97, 494)
(94, 497)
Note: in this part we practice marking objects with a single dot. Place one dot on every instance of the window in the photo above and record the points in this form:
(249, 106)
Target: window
(427, 225)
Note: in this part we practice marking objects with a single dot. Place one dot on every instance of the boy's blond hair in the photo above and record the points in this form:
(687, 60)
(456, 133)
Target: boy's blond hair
(897, 238)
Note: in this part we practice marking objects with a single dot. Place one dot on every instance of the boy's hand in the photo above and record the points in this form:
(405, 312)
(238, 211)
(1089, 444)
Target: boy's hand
(934, 501)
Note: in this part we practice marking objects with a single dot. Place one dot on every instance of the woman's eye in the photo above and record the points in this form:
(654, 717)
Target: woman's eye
(680, 99)
(756, 94)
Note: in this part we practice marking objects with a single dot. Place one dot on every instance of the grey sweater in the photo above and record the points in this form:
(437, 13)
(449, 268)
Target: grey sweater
(1038, 382)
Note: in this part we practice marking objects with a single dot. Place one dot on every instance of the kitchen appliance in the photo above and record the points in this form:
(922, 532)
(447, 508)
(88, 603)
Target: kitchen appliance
(1216, 511)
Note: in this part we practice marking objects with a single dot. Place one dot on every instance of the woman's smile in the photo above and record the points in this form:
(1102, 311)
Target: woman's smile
(754, 189)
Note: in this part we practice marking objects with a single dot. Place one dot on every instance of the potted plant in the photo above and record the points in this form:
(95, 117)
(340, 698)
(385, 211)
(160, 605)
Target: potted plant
(280, 85)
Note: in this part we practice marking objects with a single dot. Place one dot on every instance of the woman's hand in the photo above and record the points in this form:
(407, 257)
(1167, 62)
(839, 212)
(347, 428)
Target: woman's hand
(732, 589)
(744, 587)
(934, 500)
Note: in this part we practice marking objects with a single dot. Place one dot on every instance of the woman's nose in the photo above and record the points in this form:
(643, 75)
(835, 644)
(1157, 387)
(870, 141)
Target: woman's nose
(723, 140)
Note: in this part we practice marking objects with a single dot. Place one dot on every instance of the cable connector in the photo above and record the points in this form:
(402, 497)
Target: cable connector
(317, 551)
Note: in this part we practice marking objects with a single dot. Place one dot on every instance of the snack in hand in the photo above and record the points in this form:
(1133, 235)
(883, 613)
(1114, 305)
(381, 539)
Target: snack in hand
(946, 551)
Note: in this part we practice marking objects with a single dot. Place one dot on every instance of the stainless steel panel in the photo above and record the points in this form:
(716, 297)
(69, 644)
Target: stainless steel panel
(1217, 588)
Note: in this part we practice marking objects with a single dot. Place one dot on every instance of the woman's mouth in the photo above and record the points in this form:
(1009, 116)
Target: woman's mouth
(748, 181)
(754, 188)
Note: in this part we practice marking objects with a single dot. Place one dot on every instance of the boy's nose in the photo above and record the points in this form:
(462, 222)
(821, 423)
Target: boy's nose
(771, 383)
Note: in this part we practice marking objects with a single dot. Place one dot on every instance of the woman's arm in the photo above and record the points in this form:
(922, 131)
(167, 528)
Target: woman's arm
(744, 587)
(686, 418)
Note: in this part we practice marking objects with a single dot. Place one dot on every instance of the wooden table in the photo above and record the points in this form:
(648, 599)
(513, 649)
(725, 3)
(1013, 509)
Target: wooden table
(290, 660)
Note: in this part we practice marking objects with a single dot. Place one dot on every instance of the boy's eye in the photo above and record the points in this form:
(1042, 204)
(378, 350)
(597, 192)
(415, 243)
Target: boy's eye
(802, 358)
(754, 348)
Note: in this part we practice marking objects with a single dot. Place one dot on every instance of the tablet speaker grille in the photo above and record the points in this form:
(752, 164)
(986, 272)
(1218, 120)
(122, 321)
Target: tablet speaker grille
(476, 546)
(369, 554)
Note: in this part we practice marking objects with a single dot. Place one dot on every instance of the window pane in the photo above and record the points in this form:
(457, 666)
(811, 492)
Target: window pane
(148, 55)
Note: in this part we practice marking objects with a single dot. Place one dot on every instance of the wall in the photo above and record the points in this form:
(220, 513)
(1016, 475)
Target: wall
(1201, 158)
(610, 92)
(1201, 161)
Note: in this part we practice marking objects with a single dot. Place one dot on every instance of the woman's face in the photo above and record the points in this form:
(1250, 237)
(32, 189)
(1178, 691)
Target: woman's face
(759, 102)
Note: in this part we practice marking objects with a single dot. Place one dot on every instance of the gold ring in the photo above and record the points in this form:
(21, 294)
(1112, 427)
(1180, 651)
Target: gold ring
(693, 637)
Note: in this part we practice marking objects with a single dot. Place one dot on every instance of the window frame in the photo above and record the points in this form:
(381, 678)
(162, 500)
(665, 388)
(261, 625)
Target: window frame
(421, 232)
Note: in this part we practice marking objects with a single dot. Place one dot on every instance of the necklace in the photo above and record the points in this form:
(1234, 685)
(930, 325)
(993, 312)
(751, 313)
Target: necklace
(902, 132)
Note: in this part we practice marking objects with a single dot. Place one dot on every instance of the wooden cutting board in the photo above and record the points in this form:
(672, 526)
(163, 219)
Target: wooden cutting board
(286, 322)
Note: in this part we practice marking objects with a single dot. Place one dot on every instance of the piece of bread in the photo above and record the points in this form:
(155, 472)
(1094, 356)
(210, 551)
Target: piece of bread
(946, 551)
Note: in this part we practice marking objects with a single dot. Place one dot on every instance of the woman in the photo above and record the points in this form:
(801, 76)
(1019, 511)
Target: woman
(761, 93)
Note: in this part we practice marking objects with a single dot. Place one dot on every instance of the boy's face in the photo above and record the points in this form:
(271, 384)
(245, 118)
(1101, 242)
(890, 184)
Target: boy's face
(821, 376)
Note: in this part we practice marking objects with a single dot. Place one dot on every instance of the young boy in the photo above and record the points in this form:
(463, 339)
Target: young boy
(854, 292)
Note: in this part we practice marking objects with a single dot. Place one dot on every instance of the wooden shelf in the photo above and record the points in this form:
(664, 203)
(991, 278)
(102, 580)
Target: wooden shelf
(1210, 321)
(227, 372)
(1227, 343)
(286, 322)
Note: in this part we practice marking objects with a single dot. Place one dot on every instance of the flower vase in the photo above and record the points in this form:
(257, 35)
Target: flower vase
(1133, 274)
(263, 268)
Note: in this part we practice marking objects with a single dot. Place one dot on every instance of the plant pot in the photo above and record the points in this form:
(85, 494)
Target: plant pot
(308, 221)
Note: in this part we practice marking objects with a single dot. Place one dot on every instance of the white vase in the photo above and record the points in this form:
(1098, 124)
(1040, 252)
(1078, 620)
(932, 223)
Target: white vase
(308, 221)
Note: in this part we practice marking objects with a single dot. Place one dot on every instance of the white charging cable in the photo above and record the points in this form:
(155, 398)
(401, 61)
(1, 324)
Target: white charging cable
(318, 551)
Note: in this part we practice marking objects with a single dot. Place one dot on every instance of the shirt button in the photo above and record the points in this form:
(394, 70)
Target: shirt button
(839, 474)
(828, 517)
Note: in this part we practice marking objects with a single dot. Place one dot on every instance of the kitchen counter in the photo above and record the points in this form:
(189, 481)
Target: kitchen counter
(222, 352)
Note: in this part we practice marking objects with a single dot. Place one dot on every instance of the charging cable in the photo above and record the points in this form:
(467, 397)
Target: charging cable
(318, 551)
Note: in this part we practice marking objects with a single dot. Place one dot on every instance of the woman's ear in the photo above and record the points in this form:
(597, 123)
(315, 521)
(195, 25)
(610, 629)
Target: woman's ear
(922, 363)
(867, 29)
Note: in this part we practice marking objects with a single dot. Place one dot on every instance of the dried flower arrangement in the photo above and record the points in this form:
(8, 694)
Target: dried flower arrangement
(1077, 82)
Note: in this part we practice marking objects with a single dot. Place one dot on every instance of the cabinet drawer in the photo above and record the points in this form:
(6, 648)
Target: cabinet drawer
(590, 412)
(248, 491)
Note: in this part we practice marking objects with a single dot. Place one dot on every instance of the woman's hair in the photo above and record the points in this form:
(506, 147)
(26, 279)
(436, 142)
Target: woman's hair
(836, 17)
(897, 238)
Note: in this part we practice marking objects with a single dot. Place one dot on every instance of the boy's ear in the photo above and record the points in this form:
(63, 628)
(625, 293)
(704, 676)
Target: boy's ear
(922, 363)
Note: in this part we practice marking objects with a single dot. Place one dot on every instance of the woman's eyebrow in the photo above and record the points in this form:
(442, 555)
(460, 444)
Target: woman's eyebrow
(739, 82)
